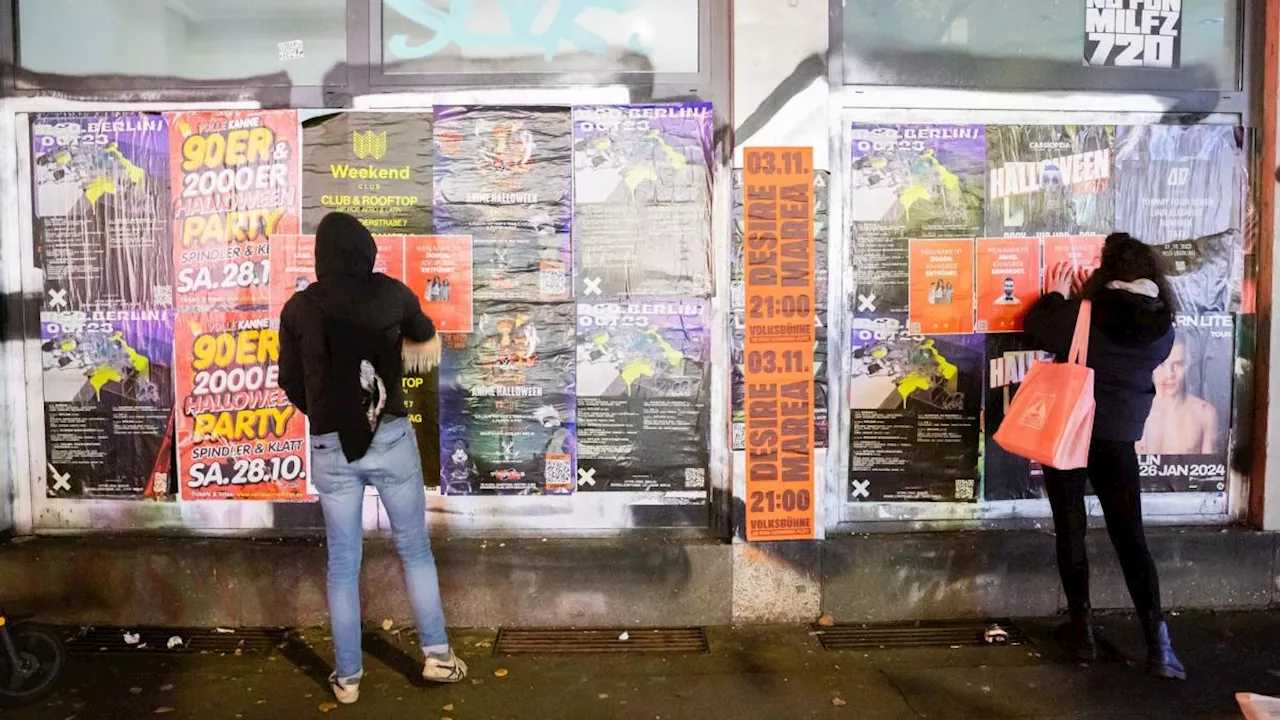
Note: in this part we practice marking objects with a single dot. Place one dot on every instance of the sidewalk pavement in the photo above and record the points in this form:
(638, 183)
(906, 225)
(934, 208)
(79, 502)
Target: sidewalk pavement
(751, 672)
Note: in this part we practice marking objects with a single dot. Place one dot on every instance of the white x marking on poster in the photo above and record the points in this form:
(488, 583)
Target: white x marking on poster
(57, 299)
(587, 477)
(591, 286)
(61, 481)
(867, 303)
(861, 489)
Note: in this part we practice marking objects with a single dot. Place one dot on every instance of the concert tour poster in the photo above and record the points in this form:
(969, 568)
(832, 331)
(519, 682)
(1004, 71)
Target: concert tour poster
(504, 177)
(1180, 188)
(915, 404)
(1049, 180)
(1184, 444)
(507, 406)
(376, 167)
(821, 229)
(108, 401)
(239, 437)
(235, 185)
(642, 201)
(909, 181)
(100, 194)
(941, 286)
(1006, 476)
(1008, 282)
(642, 394)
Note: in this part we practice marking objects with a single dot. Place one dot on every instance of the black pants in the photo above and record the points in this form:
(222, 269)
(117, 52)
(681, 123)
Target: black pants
(1113, 470)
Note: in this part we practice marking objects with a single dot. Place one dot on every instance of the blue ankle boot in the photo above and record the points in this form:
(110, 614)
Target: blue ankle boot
(1161, 660)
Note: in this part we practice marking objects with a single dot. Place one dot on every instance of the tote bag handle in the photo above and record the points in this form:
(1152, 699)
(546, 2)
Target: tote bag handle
(1080, 341)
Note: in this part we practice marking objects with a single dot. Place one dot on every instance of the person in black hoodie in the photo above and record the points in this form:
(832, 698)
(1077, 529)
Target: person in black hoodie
(343, 343)
(1131, 333)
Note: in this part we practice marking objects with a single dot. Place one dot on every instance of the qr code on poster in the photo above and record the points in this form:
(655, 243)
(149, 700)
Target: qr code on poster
(695, 478)
(738, 295)
(162, 294)
(559, 473)
(739, 436)
(964, 489)
(291, 50)
(552, 282)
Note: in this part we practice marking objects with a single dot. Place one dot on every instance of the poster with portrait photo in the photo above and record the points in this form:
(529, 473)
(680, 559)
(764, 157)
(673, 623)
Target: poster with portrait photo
(1184, 444)
(1049, 180)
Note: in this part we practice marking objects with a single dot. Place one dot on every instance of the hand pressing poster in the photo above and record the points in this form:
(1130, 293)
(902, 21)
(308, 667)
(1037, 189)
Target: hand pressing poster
(941, 287)
(1081, 252)
(1184, 445)
(1049, 180)
(1008, 278)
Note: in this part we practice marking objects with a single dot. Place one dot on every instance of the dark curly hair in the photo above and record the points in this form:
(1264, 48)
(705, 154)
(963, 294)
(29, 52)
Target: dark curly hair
(1125, 258)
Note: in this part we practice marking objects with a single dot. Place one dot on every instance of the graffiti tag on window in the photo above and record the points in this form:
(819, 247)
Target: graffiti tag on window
(527, 27)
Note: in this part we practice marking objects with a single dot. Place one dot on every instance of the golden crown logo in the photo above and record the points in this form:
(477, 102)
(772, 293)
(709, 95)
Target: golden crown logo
(369, 144)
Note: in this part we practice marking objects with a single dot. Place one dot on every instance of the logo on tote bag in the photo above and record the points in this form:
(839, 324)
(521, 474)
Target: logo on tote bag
(1037, 412)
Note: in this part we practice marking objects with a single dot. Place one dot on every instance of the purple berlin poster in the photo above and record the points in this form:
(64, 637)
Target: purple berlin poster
(909, 181)
(642, 201)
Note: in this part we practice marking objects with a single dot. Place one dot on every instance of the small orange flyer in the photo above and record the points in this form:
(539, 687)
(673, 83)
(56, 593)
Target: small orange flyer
(1082, 252)
(941, 299)
(1008, 278)
(438, 268)
(293, 264)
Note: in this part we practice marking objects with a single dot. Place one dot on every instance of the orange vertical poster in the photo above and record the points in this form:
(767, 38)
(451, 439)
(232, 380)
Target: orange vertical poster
(778, 269)
(1008, 278)
(438, 268)
(1082, 252)
(941, 298)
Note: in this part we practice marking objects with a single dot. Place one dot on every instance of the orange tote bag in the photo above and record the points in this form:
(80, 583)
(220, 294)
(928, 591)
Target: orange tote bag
(1051, 417)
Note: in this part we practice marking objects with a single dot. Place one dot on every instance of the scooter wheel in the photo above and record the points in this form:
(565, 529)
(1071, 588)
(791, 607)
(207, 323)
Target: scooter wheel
(41, 658)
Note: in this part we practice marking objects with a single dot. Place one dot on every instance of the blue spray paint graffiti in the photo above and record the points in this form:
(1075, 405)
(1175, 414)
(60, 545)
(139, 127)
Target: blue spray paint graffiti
(452, 27)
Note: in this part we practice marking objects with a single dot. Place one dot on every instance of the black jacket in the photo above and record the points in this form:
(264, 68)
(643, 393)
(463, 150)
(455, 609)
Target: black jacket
(349, 315)
(1128, 338)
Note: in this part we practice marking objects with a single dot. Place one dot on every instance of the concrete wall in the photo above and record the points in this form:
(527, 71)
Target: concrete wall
(180, 581)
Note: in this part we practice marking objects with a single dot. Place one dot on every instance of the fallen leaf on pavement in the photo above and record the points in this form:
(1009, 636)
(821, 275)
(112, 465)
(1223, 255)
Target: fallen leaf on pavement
(164, 710)
(328, 707)
(166, 688)
(500, 672)
(131, 638)
(448, 708)
(625, 636)
(826, 620)
(174, 642)
(135, 691)
(838, 702)
(387, 625)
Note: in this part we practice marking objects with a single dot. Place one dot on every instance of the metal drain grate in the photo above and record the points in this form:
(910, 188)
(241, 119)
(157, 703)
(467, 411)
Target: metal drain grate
(915, 635)
(248, 641)
(554, 642)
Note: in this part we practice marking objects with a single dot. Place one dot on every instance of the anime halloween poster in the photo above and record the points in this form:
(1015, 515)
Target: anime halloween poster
(504, 177)
(507, 424)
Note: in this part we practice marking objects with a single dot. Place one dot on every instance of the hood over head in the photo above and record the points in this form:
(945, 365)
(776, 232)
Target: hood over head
(344, 246)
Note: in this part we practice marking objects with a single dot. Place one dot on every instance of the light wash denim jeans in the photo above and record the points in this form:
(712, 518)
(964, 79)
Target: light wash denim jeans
(393, 466)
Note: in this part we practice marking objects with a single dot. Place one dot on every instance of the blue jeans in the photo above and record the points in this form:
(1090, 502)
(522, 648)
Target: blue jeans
(393, 466)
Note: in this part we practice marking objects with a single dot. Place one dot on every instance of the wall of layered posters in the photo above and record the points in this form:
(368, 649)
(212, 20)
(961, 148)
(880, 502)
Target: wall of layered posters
(953, 228)
(563, 253)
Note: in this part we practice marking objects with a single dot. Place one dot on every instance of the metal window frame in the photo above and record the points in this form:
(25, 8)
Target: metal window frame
(878, 102)
(258, 89)
(1248, 16)
(662, 84)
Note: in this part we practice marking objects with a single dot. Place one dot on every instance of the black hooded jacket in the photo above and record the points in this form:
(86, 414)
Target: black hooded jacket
(1128, 337)
(349, 315)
